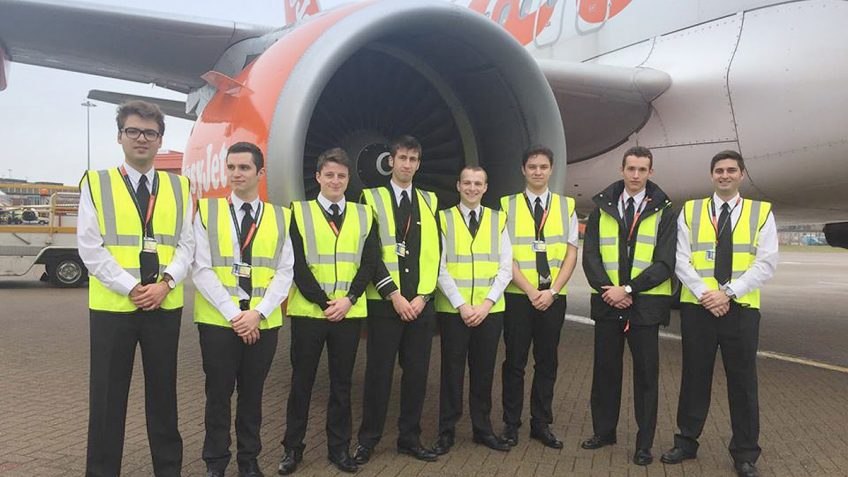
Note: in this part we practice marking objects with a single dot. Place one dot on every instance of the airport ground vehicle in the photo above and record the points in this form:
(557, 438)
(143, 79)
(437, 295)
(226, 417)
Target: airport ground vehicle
(51, 242)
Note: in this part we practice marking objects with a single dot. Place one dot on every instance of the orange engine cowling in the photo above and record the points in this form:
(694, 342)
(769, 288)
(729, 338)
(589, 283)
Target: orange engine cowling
(355, 77)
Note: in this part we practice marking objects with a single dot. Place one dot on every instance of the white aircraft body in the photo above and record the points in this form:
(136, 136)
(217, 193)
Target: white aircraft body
(480, 80)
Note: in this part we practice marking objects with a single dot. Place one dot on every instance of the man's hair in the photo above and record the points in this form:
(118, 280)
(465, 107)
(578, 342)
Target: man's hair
(537, 150)
(142, 109)
(728, 154)
(638, 151)
(405, 142)
(336, 154)
(474, 169)
(253, 149)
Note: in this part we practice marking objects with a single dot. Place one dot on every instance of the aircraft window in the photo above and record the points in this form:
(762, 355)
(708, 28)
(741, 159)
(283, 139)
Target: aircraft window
(505, 13)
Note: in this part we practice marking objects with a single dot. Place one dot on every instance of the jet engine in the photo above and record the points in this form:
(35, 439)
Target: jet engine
(356, 77)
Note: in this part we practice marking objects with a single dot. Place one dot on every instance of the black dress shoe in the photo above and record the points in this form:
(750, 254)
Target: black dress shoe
(444, 444)
(746, 469)
(643, 457)
(676, 455)
(596, 442)
(492, 442)
(289, 462)
(362, 454)
(419, 453)
(343, 461)
(510, 435)
(214, 473)
(545, 436)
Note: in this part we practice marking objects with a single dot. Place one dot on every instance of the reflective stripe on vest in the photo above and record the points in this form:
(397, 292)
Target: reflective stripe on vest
(333, 260)
(702, 238)
(471, 262)
(522, 232)
(381, 200)
(266, 252)
(643, 251)
(122, 232)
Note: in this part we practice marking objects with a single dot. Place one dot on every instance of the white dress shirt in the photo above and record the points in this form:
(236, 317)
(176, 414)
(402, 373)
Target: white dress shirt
(102, 265)
(638, 202)
(210, 286)
(398, 191)
(326, 203)
(573, 230)
(448, 286)
(761, 270)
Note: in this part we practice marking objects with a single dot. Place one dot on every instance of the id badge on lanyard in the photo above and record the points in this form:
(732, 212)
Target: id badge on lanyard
(149, 245)
(540, 246)
(242, 270)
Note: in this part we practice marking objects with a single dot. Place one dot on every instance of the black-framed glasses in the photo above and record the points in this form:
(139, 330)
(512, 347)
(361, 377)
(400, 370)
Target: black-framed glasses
(135, 133)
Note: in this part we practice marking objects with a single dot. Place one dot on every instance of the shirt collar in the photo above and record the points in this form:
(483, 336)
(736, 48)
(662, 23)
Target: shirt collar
(237, 203)
(135, 175)
(544, 196)
(719, 202)
(326, 203)
(637, 199)
(465, 211)
(398, 190)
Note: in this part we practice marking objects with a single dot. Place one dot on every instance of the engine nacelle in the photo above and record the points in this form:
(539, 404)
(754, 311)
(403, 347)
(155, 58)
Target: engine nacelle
(359, 75)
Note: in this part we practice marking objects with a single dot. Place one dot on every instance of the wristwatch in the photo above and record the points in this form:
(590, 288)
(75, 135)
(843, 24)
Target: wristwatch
(170, 282)
(352, 298)
(628, 289)
(730, 293)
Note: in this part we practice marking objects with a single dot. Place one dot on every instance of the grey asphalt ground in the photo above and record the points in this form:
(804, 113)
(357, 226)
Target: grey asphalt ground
(44, 394)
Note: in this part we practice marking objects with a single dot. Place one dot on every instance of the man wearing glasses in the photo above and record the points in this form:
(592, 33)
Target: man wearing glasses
(134, 234)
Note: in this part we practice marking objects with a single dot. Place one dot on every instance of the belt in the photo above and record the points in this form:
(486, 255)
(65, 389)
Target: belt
(244, 305)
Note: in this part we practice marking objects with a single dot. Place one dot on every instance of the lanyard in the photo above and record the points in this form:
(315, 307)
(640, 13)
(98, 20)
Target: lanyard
(332, 224)
(541, 227)
(151, 202)
(252, 231)
(639, 209)
(714, 220)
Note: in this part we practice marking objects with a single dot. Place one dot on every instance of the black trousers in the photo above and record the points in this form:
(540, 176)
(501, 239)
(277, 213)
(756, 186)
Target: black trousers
(479, 345)
(390, 337)
(525, 325)
(114, 337)
(607, 375)
(229, 363)
(737, 333)
(308, 336)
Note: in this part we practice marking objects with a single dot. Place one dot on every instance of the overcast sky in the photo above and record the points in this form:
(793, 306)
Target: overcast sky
(43, 125)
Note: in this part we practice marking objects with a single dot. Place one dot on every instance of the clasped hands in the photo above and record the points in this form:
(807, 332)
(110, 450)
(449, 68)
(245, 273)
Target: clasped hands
(149, 297)
(474, 315)
(716, 302)
(616, 297)
(408, 310)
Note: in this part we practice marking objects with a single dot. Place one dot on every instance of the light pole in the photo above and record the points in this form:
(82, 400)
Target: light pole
(88, 105)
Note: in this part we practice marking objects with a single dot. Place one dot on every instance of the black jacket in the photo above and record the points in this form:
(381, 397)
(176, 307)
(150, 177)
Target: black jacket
(646, 309)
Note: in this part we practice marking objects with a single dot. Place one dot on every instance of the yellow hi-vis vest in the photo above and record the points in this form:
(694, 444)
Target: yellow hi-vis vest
(333, 260)
(472, 262)
(643, 250)
(381, 200)
(266, 251)
(522, 230)
(120, 227)
(702, 238)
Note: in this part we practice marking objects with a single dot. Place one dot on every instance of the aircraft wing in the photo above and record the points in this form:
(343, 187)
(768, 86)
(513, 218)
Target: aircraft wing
(601, 105)
(168, 50)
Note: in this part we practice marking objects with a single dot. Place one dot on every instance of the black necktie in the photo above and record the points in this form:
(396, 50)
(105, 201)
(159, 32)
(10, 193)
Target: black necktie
(628, 214)
(246, 283)
(542, 266)
(405, 209)
(142, 195)
(473, 224)
(148, 262)
(336, 216)
(724, 247)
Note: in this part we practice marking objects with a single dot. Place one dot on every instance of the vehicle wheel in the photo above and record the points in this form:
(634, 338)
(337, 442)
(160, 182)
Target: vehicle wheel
(67, 271)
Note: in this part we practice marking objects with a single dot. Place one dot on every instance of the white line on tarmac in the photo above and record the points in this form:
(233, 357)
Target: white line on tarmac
(762, 354)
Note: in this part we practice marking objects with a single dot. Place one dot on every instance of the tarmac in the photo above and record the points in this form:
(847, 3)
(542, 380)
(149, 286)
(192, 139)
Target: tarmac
(44, 361)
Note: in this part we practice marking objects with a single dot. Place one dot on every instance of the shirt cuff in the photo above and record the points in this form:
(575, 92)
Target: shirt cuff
(266, 308)
(231, 311)
(125, 283)
(494, 296)
(177, 273)
(699, 290)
